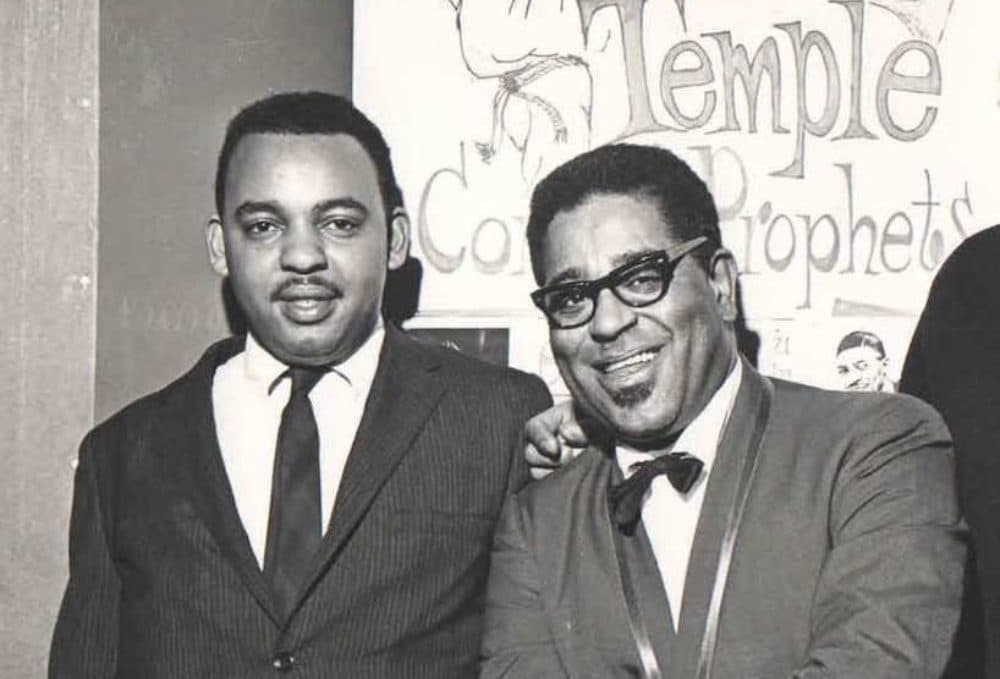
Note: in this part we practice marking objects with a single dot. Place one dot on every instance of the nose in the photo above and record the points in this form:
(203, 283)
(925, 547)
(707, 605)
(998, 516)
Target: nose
(301, 250)
(611, 317)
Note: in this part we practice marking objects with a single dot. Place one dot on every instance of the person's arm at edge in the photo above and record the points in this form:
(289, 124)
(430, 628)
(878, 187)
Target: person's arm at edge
(913, 379)
(954, 301)
(85, 639)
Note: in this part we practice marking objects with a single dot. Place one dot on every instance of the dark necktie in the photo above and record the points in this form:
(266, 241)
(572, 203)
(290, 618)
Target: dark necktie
(625, 498)
(294, 527)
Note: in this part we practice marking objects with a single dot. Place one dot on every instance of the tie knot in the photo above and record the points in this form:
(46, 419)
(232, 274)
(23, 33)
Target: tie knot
(304, 379)
(625, 498)
(682, 469)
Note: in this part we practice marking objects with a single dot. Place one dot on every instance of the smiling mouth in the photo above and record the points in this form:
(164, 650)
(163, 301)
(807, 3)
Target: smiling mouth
(628, 379)
(627, 364)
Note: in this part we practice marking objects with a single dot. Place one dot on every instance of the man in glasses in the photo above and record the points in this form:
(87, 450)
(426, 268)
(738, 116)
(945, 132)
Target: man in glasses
(721, 524)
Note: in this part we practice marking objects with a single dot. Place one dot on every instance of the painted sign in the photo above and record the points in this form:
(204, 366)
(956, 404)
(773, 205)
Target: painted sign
(849, 145)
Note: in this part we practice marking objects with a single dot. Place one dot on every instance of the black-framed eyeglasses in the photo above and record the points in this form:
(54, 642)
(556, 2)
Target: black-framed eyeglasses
(639, 283)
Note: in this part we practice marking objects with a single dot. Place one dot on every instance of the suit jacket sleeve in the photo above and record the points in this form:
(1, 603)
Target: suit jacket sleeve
(527, 403)
(888, 599)
(518, 641)
(85, 641)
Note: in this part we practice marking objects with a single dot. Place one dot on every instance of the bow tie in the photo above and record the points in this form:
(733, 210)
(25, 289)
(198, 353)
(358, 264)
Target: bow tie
(625, 498)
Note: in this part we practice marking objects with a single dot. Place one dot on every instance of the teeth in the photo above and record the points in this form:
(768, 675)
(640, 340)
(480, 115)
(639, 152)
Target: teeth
(637, 359)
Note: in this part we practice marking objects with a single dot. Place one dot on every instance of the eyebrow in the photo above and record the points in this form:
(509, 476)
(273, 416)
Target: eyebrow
(630, 256)
(251, 206)
(620, 260)
(347, 202)
(565, 275)
(254, 206)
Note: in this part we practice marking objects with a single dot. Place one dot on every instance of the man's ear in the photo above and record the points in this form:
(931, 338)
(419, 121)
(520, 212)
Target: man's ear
(216, 246)
(399, 238)
(722, 276)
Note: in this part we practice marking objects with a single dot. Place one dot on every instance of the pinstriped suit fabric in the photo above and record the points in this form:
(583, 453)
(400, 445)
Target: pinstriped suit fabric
(162, 578)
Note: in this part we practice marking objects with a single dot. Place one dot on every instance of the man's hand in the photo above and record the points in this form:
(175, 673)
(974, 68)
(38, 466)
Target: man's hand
(554, 437)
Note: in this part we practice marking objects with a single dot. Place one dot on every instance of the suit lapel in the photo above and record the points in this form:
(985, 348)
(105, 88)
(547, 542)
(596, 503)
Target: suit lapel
(584, 575)
(404, 393)
(734, 450)
(642, 575)
(187, 432)
(653, 602)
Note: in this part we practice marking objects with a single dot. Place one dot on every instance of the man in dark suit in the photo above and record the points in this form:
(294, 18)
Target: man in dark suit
(722, 524)
(318, 496)
(952, 364)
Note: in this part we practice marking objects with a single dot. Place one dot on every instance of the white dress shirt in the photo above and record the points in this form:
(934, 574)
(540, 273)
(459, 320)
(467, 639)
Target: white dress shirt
(247, 418)
(670, 518)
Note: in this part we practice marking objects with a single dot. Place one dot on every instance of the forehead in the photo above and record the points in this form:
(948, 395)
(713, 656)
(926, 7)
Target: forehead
(856, 354)
(280, 167)
(603, 232)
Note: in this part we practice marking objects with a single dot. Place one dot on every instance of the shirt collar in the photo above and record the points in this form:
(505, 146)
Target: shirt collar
(701, 437)
(259, 366)
(358, 370)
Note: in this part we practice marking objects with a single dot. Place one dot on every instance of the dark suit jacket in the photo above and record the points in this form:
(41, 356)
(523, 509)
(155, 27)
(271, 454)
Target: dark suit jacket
(163, 582)
(954, 364)
(848, 560)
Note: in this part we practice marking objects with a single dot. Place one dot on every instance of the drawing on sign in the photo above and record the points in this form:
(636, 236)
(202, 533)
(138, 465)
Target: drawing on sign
(862, 364)
(841, 140)
(535, 51)
(925, 19)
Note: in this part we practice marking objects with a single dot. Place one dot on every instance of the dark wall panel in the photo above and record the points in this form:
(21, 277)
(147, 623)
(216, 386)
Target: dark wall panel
(172, 74)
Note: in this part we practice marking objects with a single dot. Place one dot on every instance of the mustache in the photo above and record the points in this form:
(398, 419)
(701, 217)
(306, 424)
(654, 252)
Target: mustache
(314, 282)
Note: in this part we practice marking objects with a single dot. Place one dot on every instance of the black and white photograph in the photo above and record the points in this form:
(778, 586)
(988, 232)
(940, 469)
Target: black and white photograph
(500, 339)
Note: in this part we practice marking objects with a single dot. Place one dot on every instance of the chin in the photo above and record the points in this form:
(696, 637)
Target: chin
(316, 351)
(638, 426)
(303, 350)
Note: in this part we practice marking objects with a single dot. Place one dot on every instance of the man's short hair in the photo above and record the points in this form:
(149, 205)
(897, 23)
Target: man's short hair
(861, 338)
(310, 113)
(626, 169)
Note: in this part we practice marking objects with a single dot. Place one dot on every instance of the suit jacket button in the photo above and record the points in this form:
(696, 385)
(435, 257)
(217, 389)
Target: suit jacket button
(283, 662)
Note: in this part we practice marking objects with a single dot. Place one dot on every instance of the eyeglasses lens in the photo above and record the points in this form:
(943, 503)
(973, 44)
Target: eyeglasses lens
(573, 304)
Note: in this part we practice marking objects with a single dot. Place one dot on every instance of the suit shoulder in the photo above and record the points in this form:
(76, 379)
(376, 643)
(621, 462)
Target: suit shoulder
(841, 412)
(570, 496)
(134, 422)
(475, 373)
(146, 406)
(982, 245)
(579, 475)
(196, 381)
